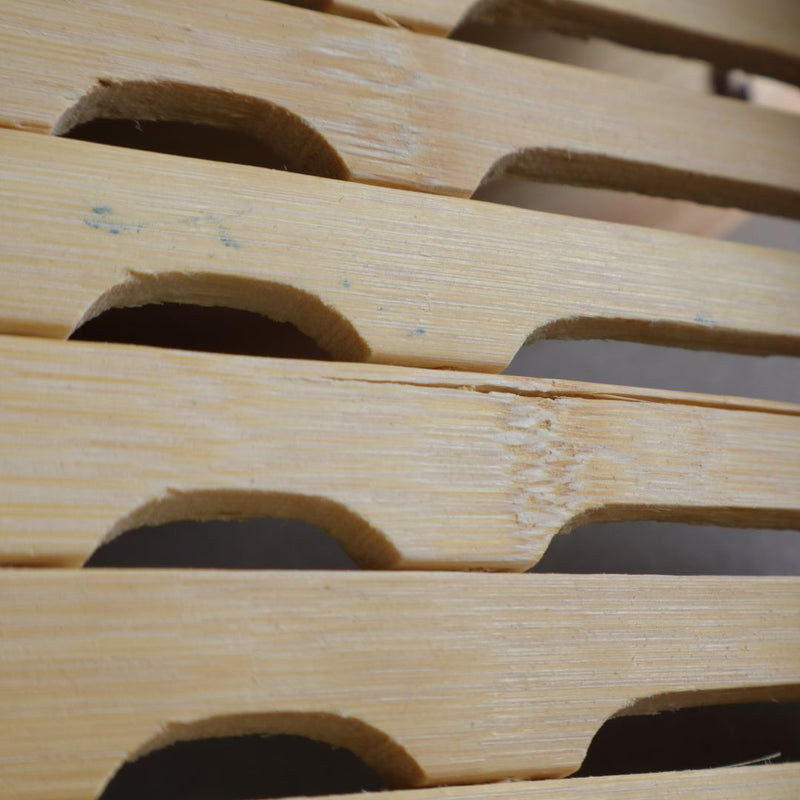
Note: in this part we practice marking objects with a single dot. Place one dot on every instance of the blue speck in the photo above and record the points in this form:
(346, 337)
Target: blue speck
(112, 227)
(226, 238)
(417, 332)
(346, 283)
(704, 320)
(101, 221)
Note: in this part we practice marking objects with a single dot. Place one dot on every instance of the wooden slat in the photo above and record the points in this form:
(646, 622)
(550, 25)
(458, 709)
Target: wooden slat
(98, 439)
(466, 290)
(761, 37)
(403, 110)
(768, 782)
(471, 677)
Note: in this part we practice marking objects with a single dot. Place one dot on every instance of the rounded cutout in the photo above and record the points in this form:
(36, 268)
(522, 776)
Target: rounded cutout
(669, 548)
(257, 543)
(362, 542)
(184, 119)
(592, 170)
(612, 205)
(699, 737)
(383, 762)
(636, 364)
(487, 21)
(182, 308)
(206, 328)
(242, 768)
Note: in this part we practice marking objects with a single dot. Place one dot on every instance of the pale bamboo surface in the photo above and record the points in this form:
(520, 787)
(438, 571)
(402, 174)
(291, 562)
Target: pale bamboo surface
(761, 37)
(370, 273)
(400, 109)
(99, 439)
(429, 678)
(769, 782)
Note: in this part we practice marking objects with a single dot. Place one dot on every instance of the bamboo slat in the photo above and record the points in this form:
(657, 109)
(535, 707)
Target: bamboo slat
(433, 677)
(759, 37)
(99, 439)
(402, 110)
(429, 678)
(371, 273)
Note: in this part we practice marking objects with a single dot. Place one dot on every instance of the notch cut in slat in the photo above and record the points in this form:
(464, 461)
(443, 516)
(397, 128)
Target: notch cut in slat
(399, 110)
(427, 678)
(763, 38)
(408, 469)
(369, 273)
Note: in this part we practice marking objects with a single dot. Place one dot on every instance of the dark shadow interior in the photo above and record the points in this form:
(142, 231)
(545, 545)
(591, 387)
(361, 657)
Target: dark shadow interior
(651, 366)
(242, 768)
(191, 139)
(696, 738)
(210, 328)
(263, 543)
(671, 548)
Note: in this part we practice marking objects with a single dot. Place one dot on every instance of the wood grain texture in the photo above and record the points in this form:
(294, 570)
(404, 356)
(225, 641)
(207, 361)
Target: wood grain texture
(471, 677)
(769, 782)
(402, 110)
(759, 37)
(99, 439)
(370, 273)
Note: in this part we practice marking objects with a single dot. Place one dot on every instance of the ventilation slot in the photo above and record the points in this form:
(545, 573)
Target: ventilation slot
(633, 364)
(665, 548)
(261, 543)
(242, 768)
(696, 738)
(240, 529)
(569, 169)
(611, 205)
(194, 121)
(263, 755)
(209, 328)
(226, 314)
(571, 34)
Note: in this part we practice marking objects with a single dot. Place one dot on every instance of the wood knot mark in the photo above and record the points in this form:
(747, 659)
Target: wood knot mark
(543, 463)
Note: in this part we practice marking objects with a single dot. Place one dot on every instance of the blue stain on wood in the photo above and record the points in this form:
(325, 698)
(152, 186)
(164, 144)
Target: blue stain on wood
(417, 332)
(226, 238)
(218, 220)
(705, 320)
(346, 283)
(101, 222)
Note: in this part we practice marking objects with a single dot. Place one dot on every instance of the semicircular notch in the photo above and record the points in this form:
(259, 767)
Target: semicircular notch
(598, 171)
(288, 140)
(375, 749)
(281, 302)
(363, 543)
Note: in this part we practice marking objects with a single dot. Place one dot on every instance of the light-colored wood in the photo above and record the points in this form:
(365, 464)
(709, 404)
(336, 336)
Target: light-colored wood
(466, 290)
(768, 782)
(403, 110)
(408, 469)
(429, 678)
(761, 37)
